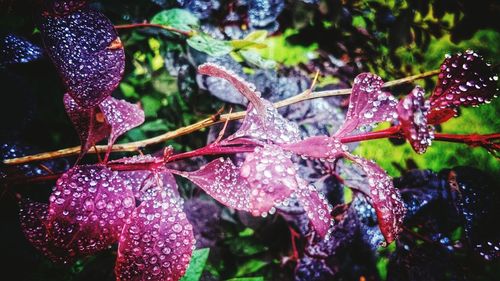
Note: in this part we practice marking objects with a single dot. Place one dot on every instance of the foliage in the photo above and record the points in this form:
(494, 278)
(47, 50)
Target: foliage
(291, 198)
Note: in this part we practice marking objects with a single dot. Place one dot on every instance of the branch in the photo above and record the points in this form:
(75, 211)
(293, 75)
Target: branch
(207, 122)
(146, 24)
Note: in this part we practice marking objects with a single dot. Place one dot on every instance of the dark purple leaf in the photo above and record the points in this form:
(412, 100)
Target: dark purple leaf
(88, 208)
(465, 80)
(475, 197)
(412, 114)
(221, 179)
(368, 104)
(14, 149)
(205, 216)
(62, 7)
(262, 13)
(15, 49)
(33, 219)
(419, 189)
(385, 198)
(157, 242)
(89, 123)
(87, 52)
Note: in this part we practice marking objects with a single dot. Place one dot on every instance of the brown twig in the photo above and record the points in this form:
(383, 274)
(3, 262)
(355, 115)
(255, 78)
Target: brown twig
(147, 24)
(134, 146)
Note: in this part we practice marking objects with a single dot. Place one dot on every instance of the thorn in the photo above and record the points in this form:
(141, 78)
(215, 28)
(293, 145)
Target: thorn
(45, 168)
(221, 133)
(167, 152)
(115, 44)
(315, 80)
(216, 117)
(97, 153)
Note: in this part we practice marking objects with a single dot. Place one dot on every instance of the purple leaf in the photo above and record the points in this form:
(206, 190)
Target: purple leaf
(140, 180)
(137, 180)
(412, 114)
(121, 116)
(88, 208)
(316, 206)
(386, 199)
(368, 104)
(89, 123)
(262, 120)
(111, 118)
(465, 80)
(270, 126)
(15, 49)
(62, 7)
(33, 219)
(271, 178)
(246, 89)
(157, 242)
(221, 179)
(87, 52)
(322, 147)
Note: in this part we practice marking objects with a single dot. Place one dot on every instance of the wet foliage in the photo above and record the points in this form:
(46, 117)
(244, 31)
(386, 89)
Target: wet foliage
(277, 195)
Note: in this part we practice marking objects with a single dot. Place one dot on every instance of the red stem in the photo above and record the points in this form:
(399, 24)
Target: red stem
(146, 24)
(473, 140)
(211, 150)
(390, 132)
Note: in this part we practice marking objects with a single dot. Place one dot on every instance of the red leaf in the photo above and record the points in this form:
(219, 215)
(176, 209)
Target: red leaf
(246, 89)
(322, 147)
(112, 118)
(316, 206)
(368, 104)
(89, 127)
(121, 116)
(465, 80)
(270, 126)
(271, 178)
(385, 198)
(262, 121)
(88, 209)
(157, 242)
(412, 114)
(221, 179)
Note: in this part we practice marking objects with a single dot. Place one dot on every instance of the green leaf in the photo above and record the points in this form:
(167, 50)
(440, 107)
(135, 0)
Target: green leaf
(176, 18)
(257, 60)
(260, 278)
(154, 126)
(254, 39)
(250, 266)
(197, 264)
(128, 90)
(246, 232)
(209, 45)
(244, 246)
(150, 106)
